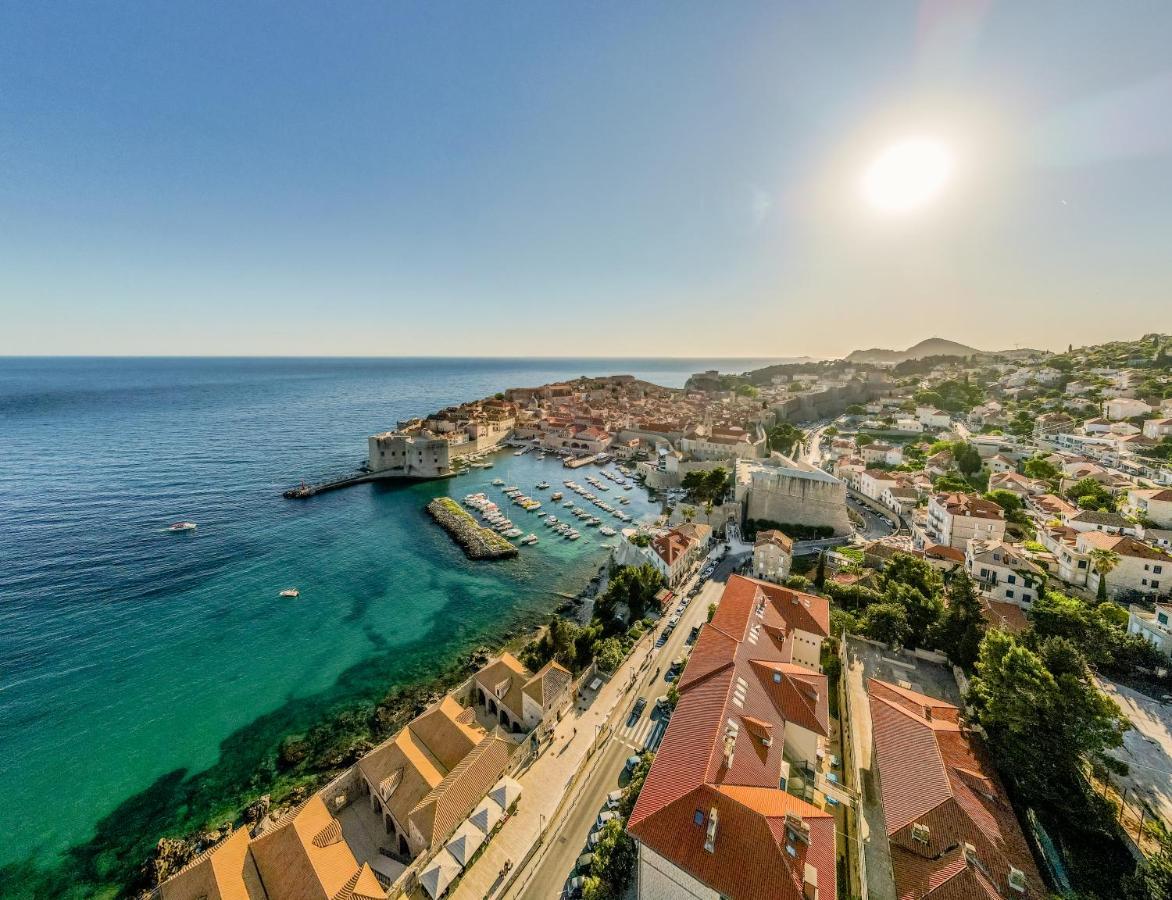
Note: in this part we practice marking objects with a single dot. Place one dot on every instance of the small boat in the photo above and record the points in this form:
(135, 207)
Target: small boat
(530, 538)
(181, 526)
(498, 481)
(556, 495)
(543, 486)
(291, 593)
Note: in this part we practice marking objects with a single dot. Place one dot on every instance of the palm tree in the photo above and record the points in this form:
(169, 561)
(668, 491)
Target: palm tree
(689, 513)
(1103, 561)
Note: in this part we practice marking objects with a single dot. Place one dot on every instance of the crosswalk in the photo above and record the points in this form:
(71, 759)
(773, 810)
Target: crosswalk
(645, 734)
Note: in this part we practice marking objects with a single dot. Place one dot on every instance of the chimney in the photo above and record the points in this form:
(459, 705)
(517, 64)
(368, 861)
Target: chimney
(710, 834)
(730, 743)
(810, 883)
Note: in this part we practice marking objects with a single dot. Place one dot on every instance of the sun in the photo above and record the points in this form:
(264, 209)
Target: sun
(908, 175)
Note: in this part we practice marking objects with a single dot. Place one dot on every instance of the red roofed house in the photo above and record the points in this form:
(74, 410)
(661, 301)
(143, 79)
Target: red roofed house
(951, 830)
(674, 552)
(713, 818)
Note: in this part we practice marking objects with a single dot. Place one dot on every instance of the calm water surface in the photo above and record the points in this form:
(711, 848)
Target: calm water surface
(127, 652)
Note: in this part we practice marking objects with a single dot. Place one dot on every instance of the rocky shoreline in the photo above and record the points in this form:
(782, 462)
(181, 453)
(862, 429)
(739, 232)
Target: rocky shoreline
(476, 541)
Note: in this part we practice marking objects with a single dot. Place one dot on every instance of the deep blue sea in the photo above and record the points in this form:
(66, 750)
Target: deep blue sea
(129, 654)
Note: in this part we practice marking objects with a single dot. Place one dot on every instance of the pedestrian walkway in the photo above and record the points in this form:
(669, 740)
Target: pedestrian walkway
(547, 780)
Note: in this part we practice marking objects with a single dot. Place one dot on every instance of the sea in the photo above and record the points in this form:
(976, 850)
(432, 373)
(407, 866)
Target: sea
(133, 659)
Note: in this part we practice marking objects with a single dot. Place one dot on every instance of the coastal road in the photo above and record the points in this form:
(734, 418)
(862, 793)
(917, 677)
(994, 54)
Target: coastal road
(875, 526)
(567, 841)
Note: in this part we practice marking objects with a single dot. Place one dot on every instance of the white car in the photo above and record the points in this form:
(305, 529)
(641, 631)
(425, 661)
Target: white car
(613, 798)
(607, 816)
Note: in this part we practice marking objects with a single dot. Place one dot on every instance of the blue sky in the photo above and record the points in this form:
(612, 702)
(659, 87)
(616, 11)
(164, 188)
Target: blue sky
(382, 178)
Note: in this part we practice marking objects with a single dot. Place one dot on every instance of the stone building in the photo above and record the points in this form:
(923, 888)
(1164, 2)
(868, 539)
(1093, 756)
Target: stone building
(781, 490)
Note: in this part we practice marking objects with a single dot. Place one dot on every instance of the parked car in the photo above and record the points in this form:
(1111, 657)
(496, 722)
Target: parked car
(632, 761)
(606, 816)
(574, 886)
(584, 861)
(614, 798)
(595, 837)
(693, 634)
(662, 703)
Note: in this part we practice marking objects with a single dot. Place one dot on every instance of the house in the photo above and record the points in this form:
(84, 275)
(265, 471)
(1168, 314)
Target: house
(1107, 522)
(427, 778)
(1050, 424)
(676, 551)
(949, 825)
(1153, 504)
(714, 818)
(873, 482)
(882, 453)
(998, 463)
(932, 419)
(1003, 573)
(1124, 408)
(518, 699)
(1157, 428)
(956, 519)
(1155, 626)
(1141, 568)
(773, 554)
(1017, 484)
(303, 856)
(900, 500)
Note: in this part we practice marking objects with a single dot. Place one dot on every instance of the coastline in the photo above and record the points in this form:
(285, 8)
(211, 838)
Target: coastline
(282, 756)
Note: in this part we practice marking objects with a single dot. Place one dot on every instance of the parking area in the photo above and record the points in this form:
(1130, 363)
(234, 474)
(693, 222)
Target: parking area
(865, 660)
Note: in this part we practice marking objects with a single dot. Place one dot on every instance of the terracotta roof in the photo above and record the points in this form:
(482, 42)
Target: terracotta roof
(1006, 616)
(437, 815)
(1122, 544)
(970, 505)
(773, 536)
(226, 873)
(737, 693)
(292, 864)
(939, 793)
(550, 680)
(504, 678)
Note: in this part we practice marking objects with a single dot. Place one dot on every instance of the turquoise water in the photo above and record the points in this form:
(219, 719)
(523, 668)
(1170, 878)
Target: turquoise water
(131, 658)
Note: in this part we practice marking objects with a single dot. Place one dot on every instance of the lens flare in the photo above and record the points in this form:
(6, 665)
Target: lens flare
(908, 175)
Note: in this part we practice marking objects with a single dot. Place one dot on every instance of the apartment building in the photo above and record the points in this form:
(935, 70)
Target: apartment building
(714, 818)
(955, 519)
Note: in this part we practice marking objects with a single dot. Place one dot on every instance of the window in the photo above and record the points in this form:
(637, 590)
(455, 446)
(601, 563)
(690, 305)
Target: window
(1155, 584)
(1026, 598)
(1012, 579)
(698, 818)
(1082, 563)
(1157, 569)
(1009, 594)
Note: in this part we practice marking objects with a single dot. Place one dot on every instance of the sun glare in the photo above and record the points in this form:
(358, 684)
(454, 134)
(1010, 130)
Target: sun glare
(908, 175)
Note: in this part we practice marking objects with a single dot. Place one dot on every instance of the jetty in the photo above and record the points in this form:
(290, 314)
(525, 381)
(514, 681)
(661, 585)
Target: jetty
(576, 462)
(476, 541)
(306, 490)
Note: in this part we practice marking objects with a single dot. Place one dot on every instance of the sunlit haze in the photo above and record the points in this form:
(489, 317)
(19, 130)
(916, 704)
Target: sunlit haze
(908, 174)
(753, 179)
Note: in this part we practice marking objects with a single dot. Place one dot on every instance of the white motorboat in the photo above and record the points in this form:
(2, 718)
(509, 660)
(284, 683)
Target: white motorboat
(291, 593)
(181, 526)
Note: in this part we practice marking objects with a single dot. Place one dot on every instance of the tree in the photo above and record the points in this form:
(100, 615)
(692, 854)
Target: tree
(887, 623)
(1040, 467)
(1007, 500)
(966, 457)
(855, 409)
(633, 586)
(830, 431)
(862, 439)
(1152, 879)
(688, 512)
(820, 572)
(609, 655)
(1103, 561)
(1043, 713)
(784, 437)
(961, 628)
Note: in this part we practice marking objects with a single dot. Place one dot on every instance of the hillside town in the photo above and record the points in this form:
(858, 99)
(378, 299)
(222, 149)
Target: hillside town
(900, 630)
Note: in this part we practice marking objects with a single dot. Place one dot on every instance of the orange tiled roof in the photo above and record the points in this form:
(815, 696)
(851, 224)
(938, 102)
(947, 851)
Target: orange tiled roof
(934, 775)
(739, 690)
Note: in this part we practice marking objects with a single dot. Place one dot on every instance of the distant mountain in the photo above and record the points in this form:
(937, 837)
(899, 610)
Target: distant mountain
(930, 347)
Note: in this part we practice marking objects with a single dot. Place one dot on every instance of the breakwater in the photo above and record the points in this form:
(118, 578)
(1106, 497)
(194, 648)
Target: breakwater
(476, 541)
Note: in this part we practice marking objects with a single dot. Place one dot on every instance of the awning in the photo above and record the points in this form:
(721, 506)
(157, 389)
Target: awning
(505, 792)
(465, 842)
(440, 872)
(487, 813)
